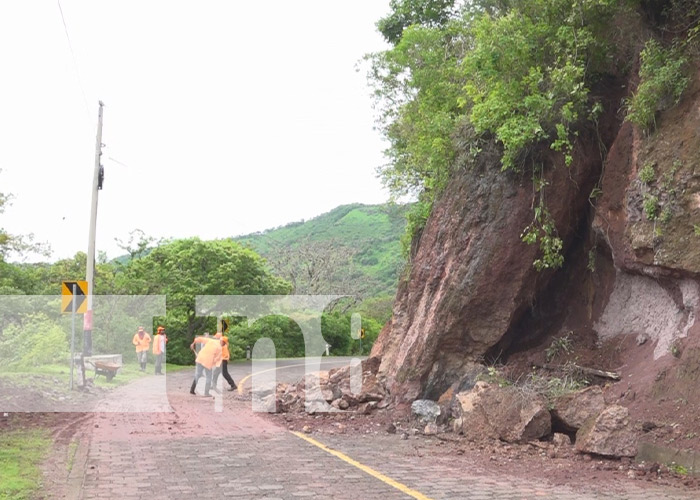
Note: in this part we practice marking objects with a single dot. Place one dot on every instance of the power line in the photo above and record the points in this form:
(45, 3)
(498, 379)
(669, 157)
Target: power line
(75, 62)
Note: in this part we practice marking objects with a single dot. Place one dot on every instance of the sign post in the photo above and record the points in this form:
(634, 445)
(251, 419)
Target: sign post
(73, 301)
(72, 336)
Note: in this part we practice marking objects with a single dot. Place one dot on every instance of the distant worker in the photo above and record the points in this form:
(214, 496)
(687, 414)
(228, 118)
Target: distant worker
(223, 369)
(159, 342)
(142, 341)
(209, 356)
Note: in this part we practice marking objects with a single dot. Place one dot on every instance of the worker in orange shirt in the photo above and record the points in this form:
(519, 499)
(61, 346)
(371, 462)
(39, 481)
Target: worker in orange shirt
(159, 342)
(208, 358)
(142, 341)
(225, 356)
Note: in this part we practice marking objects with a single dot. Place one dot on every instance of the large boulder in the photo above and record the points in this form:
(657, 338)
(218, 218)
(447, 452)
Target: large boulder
(609, 434)
(575, 408)
(504, 413)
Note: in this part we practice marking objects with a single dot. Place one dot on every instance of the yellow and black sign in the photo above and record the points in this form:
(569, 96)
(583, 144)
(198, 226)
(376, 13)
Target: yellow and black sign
(224, 325)
(362, 333)
(67, 297)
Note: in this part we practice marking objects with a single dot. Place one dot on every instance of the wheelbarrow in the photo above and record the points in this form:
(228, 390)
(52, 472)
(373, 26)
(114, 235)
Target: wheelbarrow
(108, 370)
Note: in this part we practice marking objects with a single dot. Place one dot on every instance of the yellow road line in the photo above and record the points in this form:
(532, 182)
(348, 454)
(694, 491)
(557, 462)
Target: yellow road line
(385, 479)
(243, 380)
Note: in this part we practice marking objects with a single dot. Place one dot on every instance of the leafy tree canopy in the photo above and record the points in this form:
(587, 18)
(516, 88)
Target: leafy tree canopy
(509, 72)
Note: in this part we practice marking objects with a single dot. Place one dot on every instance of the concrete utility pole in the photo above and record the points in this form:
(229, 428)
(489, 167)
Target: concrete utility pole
(90, 273)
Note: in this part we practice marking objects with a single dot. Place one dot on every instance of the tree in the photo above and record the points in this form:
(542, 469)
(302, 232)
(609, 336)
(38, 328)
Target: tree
(183, 269)
(405, 13)
(316, 267)
(138, 244)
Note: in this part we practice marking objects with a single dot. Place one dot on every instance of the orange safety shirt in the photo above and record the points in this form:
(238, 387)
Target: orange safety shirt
(225, 354)
(210, 354)
(156, 343)
(141, 343)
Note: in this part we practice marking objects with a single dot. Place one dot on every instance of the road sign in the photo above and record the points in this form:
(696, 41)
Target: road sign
(224, 325)
(67, 298)
(362, 333)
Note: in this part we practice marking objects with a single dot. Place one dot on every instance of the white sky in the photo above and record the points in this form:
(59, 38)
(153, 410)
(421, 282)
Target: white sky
(229, 116)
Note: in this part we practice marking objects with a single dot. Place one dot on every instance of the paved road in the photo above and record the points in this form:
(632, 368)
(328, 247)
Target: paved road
(197, 452)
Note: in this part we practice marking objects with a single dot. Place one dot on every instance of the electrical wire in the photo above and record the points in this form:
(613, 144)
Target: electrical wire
(75, 62)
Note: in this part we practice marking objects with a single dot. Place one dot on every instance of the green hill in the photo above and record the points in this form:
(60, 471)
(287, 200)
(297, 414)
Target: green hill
(352, 249)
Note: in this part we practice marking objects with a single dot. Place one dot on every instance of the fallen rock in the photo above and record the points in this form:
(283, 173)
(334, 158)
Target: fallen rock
(505, 413)
(425, 411)
(560, 440)
(575, 408)
(431, 429)
(372, 390)
(366, 408)
(609, 434)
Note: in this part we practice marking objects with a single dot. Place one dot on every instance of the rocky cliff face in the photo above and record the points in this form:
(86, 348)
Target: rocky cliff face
(471, 285)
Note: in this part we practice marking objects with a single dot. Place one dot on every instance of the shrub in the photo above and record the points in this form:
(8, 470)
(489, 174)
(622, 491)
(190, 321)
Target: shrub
(662, 82)
(562, 345)
(647, 174)
(651, 206)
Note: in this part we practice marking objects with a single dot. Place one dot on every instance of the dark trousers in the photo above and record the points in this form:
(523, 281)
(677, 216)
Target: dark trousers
(224, 371)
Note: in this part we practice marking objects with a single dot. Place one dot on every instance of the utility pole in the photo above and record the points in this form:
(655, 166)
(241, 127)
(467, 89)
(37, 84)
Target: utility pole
(90, 273)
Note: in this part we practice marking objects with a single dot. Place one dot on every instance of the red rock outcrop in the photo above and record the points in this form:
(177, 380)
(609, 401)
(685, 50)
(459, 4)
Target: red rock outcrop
(472, 277)
(471, 285)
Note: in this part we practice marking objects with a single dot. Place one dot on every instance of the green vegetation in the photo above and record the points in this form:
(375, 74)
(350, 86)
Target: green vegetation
(289, 340)
(500, 82)
(353, 249)
(537, 385)
(21, 452)
(666, 215)
(678, 469)
(37, 339)
(494, 376)
(542, 229)
(651, 206)
(551, 388)
(662, 82)
(467, 77)
(558, 347)
(675, 350)
(647, 174)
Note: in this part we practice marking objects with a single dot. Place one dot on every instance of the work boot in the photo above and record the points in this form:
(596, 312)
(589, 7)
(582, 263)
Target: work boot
(194, 386)
(233, 388)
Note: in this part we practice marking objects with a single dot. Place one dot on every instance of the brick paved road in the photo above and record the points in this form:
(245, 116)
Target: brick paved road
(198, 453)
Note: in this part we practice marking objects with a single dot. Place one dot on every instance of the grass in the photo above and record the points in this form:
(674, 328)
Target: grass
(56, 377)
(20, 455)
(72, 450)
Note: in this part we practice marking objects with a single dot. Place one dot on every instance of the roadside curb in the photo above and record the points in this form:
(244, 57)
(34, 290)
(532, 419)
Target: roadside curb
(649, 452)
(76, 475)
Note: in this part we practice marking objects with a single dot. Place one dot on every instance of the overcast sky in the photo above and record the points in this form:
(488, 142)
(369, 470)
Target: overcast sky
(226, 117)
